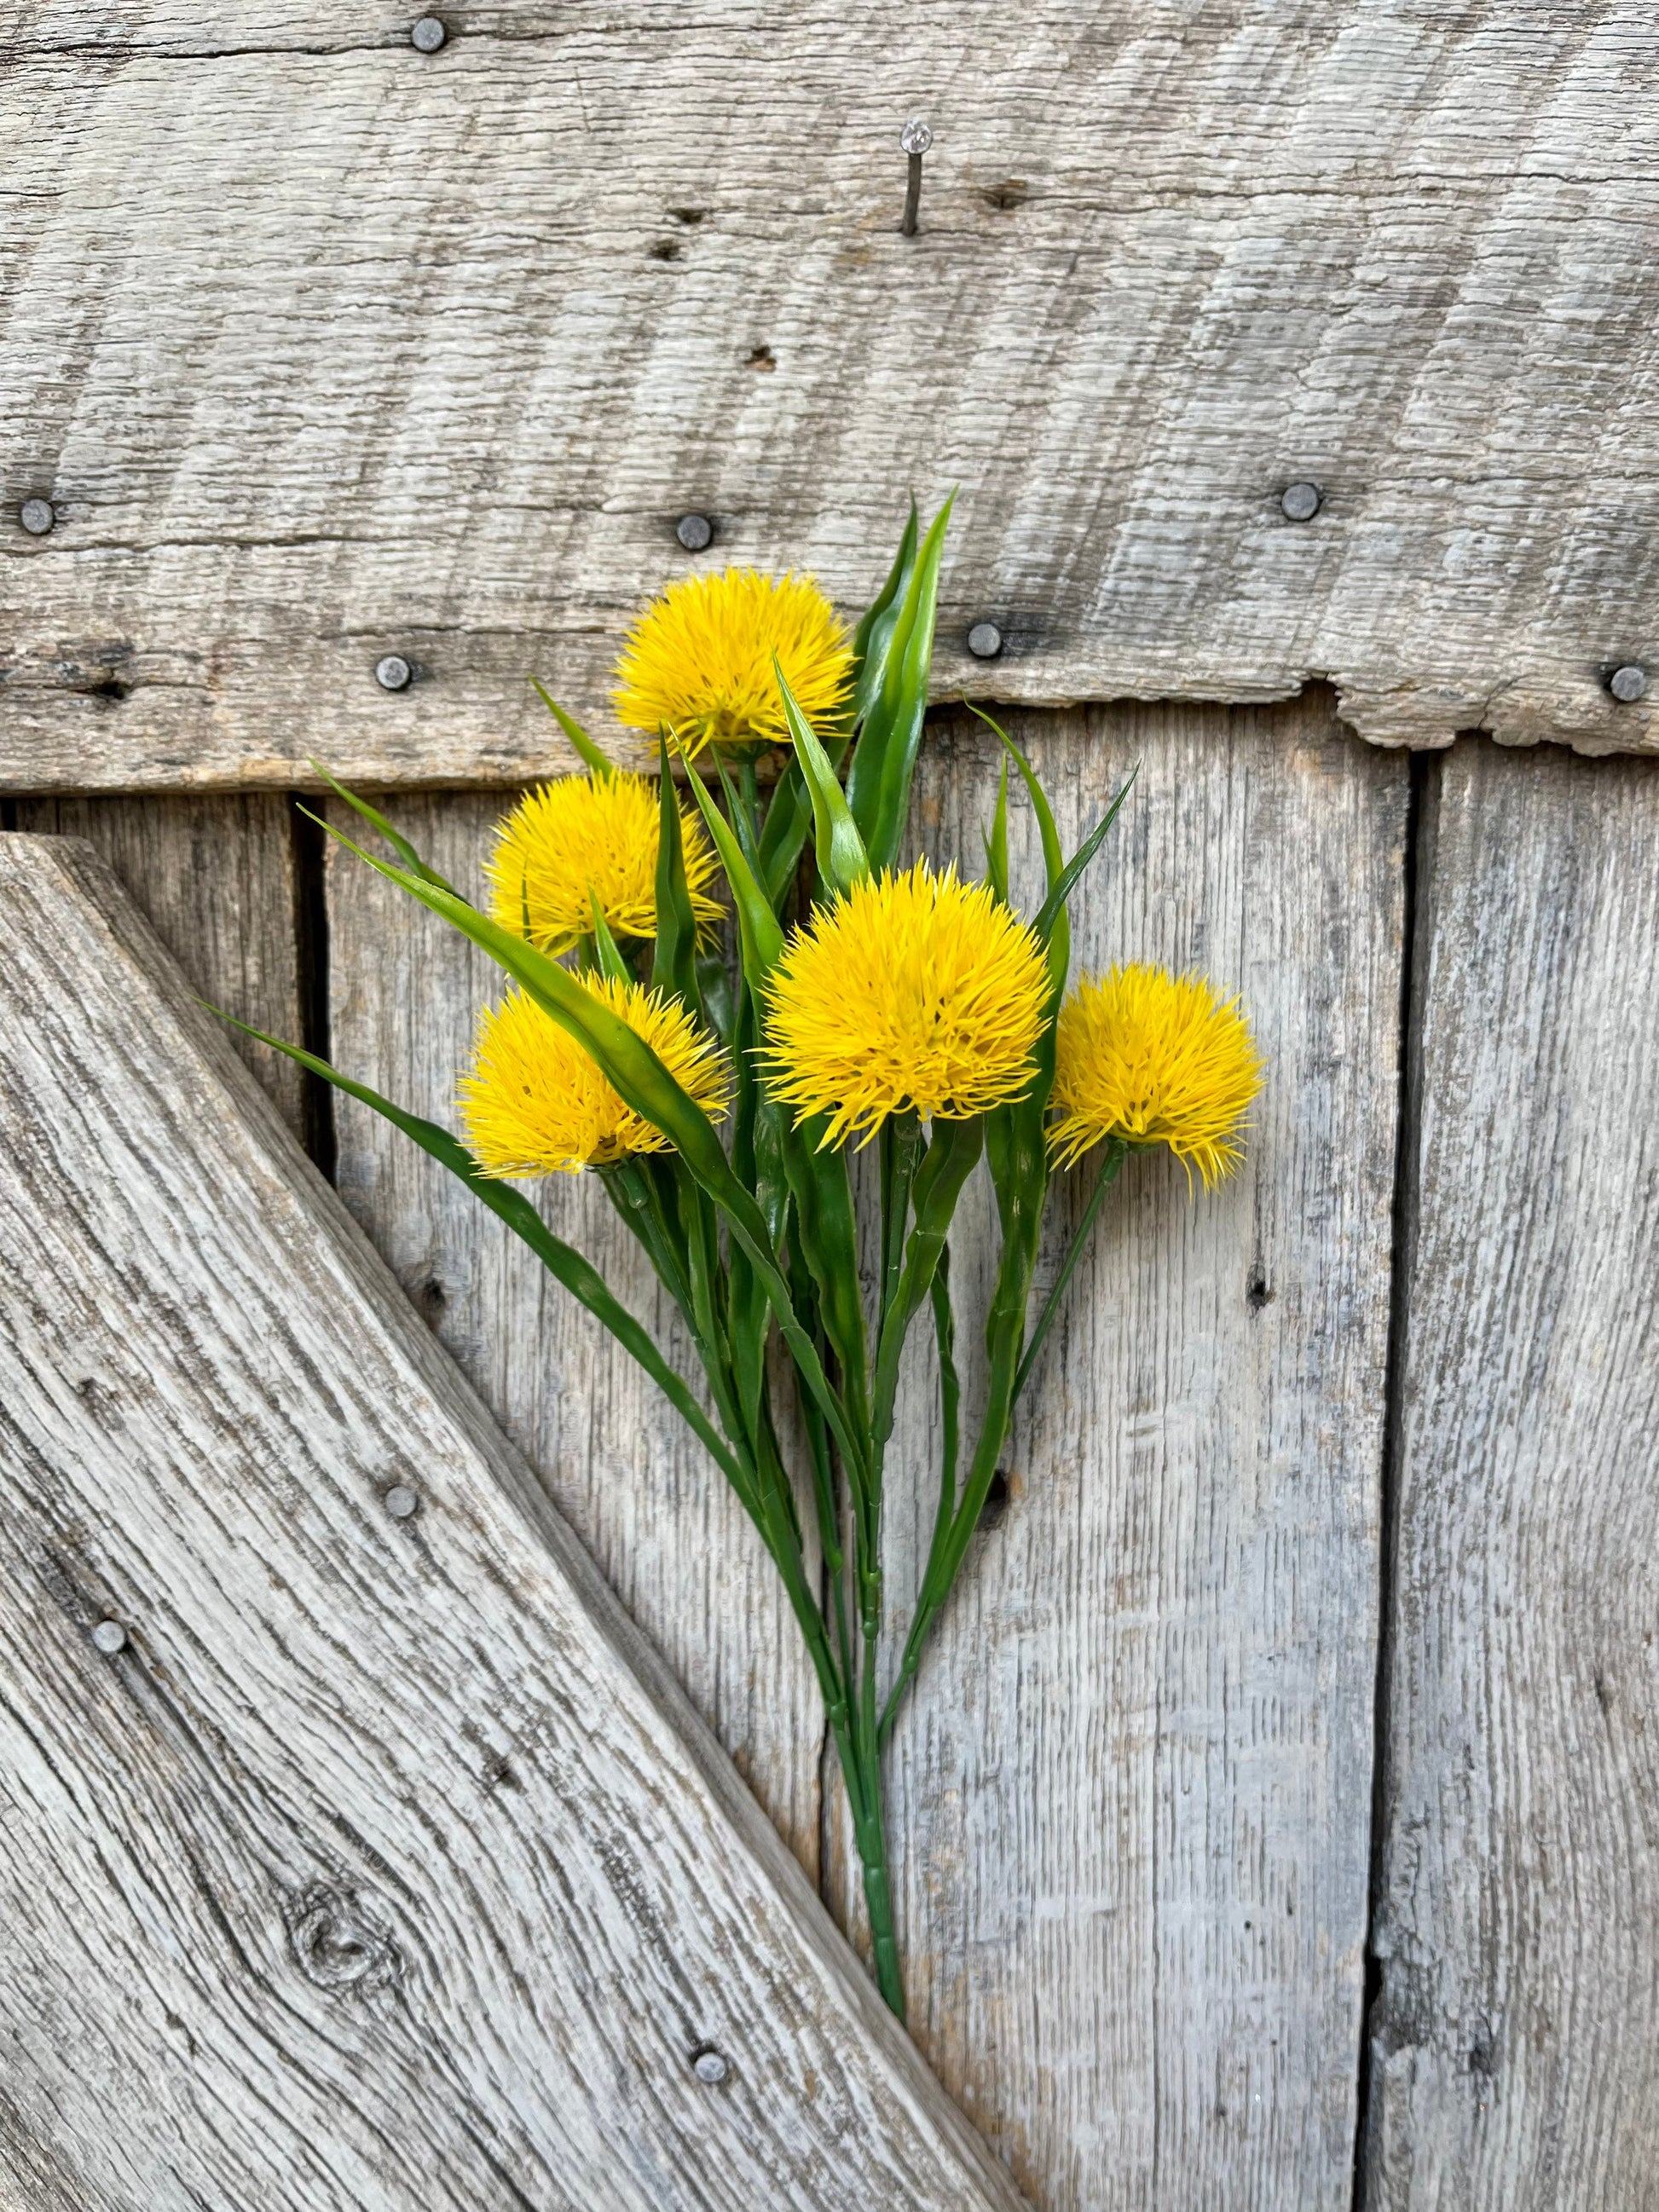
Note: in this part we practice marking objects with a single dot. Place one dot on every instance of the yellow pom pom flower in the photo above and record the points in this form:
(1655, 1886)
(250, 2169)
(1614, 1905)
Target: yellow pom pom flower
(698, 662)
(535, 1102)
(587, 837)
(1153, 1058)
(915, 993)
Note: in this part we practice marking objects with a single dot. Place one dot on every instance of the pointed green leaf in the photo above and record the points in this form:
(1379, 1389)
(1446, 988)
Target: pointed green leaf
(401, 846)
(1059, 940)
(875, 636)
(674, 956)
(572, 729)
(884, 758)
(843, 861)
(1069, 875)
(996, 844)
(606, 957)
(760, 937)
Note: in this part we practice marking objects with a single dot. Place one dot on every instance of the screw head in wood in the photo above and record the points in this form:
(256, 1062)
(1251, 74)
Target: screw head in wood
(110, 1637)
(401, 1502)
(36, 516)
(393, 674)
(984, 640)
(709, 2065)
(1301, 501)
(916, 137)
(427, 35)
(1628, 683)
(695, 532)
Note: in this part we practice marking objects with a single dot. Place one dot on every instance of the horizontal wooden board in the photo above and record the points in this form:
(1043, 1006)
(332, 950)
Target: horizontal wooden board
(384, 1866)
(1133, 1782)
(1514, 2066)
(322, 349)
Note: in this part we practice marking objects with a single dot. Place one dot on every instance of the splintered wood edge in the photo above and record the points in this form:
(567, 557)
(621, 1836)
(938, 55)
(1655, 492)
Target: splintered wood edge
(85, 878)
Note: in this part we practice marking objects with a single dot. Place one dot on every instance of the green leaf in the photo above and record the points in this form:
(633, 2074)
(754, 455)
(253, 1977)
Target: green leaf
(606, 957)
(634, 1071)
(885, 757)
(1067, 880)
(996, 844)
(572, 729)
(401, 846)
(827, 1232)
(873, 638)
(760, 937)
(581, 1279)
(674, 956)
(952, 1153)
(843, 861)
(1059, 940)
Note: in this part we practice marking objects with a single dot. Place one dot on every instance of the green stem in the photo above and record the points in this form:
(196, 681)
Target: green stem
(1117, 1151)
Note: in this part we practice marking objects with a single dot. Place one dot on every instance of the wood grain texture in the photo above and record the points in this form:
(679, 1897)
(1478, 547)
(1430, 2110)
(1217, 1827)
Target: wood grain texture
(215, 878)
(1133, 1789)
(1513, 2062)
(656, 1514)
(385, 1866)
(324, 348)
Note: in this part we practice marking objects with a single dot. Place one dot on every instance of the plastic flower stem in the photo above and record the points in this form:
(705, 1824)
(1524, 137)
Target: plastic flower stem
(1117, 1151)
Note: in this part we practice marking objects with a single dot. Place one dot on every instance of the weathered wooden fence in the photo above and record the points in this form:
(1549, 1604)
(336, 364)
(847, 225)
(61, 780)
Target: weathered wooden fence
(1278, 1813)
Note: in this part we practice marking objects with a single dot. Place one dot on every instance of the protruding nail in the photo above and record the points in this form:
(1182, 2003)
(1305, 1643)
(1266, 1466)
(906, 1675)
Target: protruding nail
(110, 1637)
(393, 674)
(36, 516)
(984, 640)
(1628, 683)
(427, 35)
(914, 140)
(1301, 501)
(709, 2065)
(402, 1502)
(695, 532)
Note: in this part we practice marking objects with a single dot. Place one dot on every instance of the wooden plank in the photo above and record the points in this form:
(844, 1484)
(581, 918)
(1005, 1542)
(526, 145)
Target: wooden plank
(1133, 1789)
(384, 1866)
(1513, 2062)
(322, 349)
(215, 878)
(659, 1518)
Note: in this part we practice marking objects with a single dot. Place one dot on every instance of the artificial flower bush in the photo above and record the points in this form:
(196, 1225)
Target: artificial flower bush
(718, 1099)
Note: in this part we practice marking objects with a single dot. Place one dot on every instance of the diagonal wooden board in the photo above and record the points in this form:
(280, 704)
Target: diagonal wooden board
(324, 349)
(386, 1866)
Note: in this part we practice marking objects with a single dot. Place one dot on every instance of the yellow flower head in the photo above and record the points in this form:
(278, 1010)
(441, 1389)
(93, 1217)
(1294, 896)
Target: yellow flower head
(698, 662)
(583, 837)
(1154, 1059)
(535, 1102)
(915, 992)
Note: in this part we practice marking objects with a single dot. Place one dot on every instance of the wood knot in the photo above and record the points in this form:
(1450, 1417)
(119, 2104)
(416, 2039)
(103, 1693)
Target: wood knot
(337, 1945)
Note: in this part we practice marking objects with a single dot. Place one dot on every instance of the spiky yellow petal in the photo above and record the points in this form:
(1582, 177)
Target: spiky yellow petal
(1153, 1058)
(915, 993)
(588, 837)
(535, 1101)
(698, 661)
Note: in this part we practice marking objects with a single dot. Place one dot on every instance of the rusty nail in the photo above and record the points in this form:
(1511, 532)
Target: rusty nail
(914, 140)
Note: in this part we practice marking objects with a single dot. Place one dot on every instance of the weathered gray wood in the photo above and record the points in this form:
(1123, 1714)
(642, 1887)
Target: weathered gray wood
(655, 1512)
(1133, 1789)
(324, 349)
(1515, 2061)
(215, 878)
(385, 1866)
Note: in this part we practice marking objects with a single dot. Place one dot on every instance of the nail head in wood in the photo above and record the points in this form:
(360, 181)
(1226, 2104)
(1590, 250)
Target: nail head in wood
(984, 640)
(427, 35)
(393, 674)
(916, 138)
(36, 516)
(1628, 683)
(709, 2065)
(695, 532)
(402, 1502)
(110, 1637)
(1301, 501)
